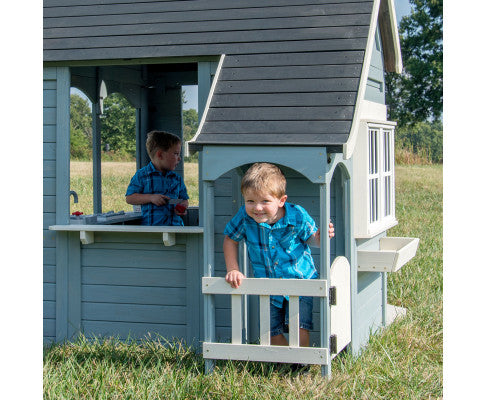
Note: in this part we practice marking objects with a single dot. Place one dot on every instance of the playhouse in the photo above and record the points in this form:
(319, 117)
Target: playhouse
(297, 83)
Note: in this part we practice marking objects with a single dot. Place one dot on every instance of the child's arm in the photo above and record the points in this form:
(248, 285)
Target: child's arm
(145, 198)
(234, 277)
(314, 240)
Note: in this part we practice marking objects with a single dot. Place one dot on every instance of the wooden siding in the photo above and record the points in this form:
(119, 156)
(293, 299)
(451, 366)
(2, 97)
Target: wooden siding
(128, 285)
(291, 71)
(375, 89)
(49, 198)
(369, 303)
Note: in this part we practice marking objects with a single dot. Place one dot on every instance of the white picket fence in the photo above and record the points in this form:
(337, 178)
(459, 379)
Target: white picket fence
(264, 288)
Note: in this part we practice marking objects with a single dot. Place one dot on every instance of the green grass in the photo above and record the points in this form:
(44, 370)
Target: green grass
(405, 361)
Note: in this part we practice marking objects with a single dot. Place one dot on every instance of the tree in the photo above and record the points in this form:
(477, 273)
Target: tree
(417, 94)
(81, 128)
(118, 125)
(191, 124)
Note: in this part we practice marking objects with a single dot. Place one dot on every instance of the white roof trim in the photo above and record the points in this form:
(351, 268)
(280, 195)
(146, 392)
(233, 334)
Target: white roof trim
(207, 104)
(348, 148)
(394, 30)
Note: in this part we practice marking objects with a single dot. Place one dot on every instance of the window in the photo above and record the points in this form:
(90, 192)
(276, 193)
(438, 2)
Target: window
(380, 174)
(374, 179)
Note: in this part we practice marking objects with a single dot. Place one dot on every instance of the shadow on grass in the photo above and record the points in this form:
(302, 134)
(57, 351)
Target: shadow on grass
(148, 352)
(153, 352)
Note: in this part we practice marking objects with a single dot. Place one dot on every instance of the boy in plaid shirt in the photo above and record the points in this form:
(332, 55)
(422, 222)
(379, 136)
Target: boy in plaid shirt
(278, 235)
(155, 184)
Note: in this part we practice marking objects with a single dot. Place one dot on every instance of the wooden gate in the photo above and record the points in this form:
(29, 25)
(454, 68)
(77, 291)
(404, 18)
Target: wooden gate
(264, 288)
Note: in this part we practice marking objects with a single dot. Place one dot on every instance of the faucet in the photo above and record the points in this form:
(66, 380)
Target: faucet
(74, 194)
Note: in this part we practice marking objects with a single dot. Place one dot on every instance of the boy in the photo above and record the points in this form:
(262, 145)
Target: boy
(155, 184)
(278, 235)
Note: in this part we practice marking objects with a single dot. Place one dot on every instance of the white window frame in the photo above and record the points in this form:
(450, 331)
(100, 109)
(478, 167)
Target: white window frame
(374, 179)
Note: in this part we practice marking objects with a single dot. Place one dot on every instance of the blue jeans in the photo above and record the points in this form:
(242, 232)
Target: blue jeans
(279, 316)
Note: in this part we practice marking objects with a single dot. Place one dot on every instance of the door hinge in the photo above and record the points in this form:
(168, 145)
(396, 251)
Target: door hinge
(333, 344)
(332, 296)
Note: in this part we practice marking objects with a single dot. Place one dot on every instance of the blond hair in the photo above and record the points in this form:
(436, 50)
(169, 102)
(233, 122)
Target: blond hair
(264, 178)
(159, 140)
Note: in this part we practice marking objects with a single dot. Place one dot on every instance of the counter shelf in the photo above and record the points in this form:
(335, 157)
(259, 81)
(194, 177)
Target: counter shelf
(86, 232)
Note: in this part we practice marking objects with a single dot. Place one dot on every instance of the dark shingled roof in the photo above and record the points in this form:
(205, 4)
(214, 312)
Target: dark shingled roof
(291, 70)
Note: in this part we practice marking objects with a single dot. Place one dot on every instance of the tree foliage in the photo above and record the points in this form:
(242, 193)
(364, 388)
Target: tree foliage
(118, 125)
(81, 128)
(191, 124)
(425, 138)
(417, 94)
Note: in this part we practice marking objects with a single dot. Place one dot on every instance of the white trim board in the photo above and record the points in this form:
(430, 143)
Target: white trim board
(207, 105)
(250, 352)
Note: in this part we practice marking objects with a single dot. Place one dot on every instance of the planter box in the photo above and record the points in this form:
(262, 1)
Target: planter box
(393, 253)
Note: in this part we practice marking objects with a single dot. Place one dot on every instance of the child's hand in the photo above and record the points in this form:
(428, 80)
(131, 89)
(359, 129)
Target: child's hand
(315, 238)
(159, 199)
(181, 208)
(331, 230)
(234, 278)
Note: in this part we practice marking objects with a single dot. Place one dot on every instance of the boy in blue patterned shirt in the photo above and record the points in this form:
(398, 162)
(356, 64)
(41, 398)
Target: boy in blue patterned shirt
(277, 235)
(154, 185)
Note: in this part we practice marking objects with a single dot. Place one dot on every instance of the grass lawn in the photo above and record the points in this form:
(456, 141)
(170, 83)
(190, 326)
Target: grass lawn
(405, 361)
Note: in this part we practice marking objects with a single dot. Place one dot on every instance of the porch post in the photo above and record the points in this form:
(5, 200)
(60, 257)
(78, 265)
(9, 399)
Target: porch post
(209, 308)
(325, 270)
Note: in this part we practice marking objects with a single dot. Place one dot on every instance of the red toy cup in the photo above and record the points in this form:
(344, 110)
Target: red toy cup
(180, 208)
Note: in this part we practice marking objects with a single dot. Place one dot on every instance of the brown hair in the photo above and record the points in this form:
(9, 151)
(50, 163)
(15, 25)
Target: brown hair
(159, 140)
(264, 177)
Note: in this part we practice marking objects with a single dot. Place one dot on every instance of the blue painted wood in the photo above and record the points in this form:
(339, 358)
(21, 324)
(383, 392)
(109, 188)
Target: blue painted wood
(209, 309)
(375, 88)
(49, 290)
(49, 151)
(368, 282)
(325, 273)
(49, 133)
(133, 330)
(369, 315)
(96, 140)
(134, 276)
(62, 145)
(62, 298)
(384, 298)
(127, 258)
(146, 313)
(49, 274)
(193, 295)
(74, 285)
(309, 161)
(154, 295)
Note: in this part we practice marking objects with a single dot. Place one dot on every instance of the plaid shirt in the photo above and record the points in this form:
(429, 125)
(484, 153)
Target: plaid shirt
(278, 250)
(149, 180)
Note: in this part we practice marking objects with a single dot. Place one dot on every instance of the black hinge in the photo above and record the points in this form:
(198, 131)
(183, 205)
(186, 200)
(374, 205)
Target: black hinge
(332, 296)
(333, 344)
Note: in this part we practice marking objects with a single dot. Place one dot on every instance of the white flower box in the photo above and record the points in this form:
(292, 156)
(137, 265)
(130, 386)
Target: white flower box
(393, 253)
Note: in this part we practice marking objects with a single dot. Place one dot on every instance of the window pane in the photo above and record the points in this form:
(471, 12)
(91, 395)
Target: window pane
(387, 194)
(373, 200)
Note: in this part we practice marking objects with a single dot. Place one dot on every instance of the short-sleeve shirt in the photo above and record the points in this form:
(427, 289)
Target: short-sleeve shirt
(278, 250)
(149, 180)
